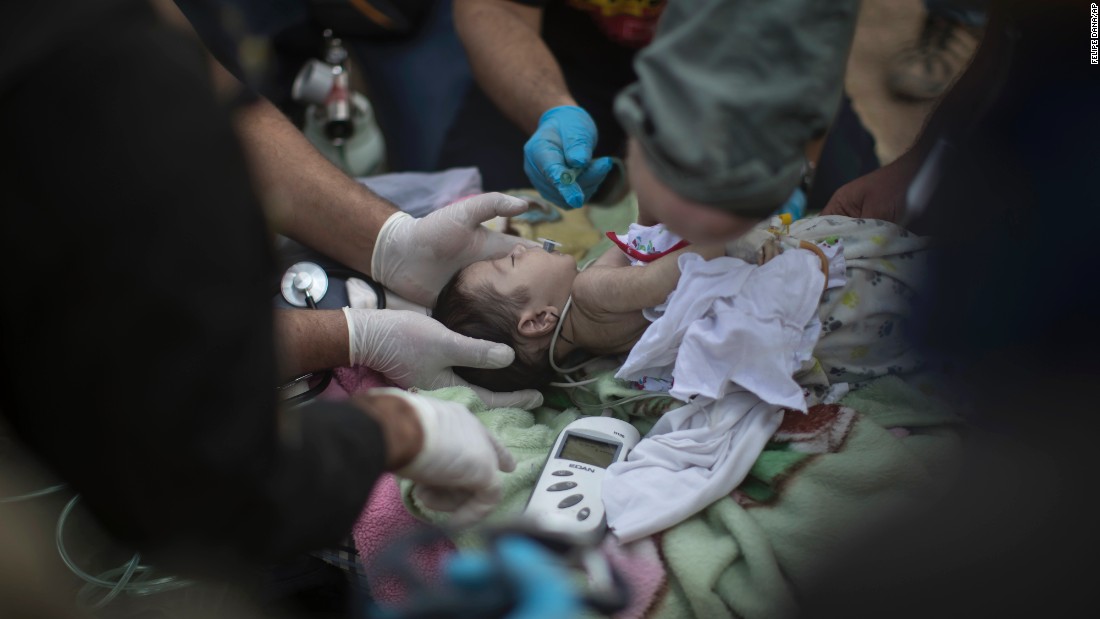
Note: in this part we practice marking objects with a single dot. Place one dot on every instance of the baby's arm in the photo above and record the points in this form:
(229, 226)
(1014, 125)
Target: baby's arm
(616, 287)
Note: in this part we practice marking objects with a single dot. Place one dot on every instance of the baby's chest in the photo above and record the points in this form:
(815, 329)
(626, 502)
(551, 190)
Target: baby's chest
(609, 332)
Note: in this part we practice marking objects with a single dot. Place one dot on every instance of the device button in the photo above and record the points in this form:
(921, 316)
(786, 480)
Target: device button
(562, 473)
(562, 485)
(581, 515)
(570, 500)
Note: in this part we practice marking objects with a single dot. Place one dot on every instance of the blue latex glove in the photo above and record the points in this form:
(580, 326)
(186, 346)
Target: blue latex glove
(545, 588)
(558, 157)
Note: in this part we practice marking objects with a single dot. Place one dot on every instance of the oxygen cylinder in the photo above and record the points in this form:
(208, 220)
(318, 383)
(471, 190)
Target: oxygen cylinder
(339, 122)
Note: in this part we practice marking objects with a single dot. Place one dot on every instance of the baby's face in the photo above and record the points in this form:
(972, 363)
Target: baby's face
(548, 275)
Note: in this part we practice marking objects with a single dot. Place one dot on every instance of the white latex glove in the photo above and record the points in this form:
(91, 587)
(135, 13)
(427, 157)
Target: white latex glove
(416, 257)
(414, 350)
(456, 470)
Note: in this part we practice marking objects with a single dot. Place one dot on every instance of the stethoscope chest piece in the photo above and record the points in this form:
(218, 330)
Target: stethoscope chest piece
(302, 281)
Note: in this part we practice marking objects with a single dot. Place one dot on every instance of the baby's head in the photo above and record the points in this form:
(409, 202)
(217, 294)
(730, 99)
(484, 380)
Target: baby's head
(515, 299)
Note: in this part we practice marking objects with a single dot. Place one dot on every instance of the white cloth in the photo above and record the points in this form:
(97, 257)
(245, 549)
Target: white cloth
(729, 322)
(838, 277)
(643, 244)
(693, 456)
(420, 193)
(731, 336)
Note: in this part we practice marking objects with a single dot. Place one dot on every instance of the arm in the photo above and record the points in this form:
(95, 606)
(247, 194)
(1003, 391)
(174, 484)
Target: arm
(764, 81)
(314, 202)
(517, 71)
(309, 341)
(167, 425)
(510, 60)
(304, 195)
(619, 289)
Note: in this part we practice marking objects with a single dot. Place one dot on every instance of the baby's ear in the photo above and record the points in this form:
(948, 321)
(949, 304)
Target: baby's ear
(538, 322)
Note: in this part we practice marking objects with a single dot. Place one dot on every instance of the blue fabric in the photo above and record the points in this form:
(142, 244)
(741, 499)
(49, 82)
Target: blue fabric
(416, 85)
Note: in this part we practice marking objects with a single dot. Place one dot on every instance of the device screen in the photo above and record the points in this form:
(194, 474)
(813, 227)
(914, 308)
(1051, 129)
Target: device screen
(588, 451)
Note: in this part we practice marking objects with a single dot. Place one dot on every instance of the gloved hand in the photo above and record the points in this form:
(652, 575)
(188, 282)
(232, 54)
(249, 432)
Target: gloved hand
(414, 350)
(545, 587)
(456, 469)
(563, 142)
(416, 257)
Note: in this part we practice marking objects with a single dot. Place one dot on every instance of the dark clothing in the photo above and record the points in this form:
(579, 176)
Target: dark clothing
(966, 12)
(138, 358)
(621, 24)
(1010, 306)
(481, 135)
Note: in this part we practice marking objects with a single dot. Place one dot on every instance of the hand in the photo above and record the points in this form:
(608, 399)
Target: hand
(878, 195)
(413, 350)
(456, 469)
(416, 257)
(563, 142)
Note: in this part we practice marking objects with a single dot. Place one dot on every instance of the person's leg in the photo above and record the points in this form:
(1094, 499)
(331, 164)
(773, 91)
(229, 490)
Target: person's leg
(416, 86)
(482, 137)
(947, 40)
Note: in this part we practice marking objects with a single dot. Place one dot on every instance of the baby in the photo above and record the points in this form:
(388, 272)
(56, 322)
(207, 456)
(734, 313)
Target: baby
(520, 299)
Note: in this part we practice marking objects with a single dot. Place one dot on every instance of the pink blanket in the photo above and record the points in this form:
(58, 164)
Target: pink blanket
(384, 518)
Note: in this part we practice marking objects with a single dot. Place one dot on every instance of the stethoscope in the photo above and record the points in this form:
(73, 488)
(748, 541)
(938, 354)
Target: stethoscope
(304, 285)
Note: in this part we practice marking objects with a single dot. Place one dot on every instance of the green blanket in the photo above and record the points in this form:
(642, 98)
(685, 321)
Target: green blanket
(825, 476)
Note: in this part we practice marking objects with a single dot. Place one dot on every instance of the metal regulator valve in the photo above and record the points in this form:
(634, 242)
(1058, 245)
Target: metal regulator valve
(338, 121)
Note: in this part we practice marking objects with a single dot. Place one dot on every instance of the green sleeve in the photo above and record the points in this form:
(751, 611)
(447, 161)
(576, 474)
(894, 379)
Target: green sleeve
(730, 92)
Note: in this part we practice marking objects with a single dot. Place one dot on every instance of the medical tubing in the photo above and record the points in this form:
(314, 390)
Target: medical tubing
(32, 495)
(575, 383)
(554, 341)
(633, 398)
(557, 332)
(127, 574)
(166, 583)
(312, 392)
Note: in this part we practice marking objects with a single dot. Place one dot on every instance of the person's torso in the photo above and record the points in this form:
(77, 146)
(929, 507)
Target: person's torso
(630, 23)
